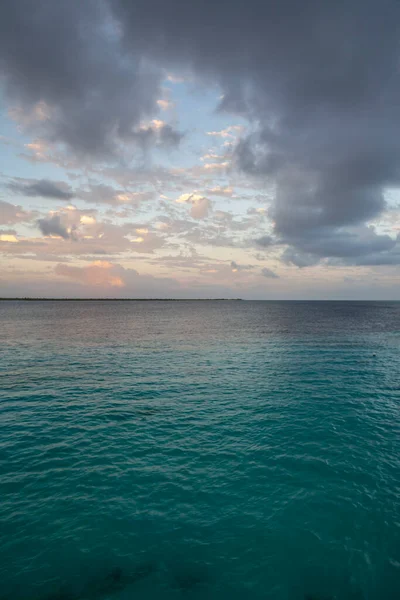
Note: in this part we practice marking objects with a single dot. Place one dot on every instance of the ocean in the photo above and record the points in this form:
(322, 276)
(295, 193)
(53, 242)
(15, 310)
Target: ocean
(199, 450)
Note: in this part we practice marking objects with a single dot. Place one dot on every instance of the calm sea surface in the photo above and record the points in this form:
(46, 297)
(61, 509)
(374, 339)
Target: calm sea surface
(213, 450)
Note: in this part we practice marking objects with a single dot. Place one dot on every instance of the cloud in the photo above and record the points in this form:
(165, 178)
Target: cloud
(221, 191)
(173, 78)
(100, 193)
(53, 226)
(265, 241)
(351, 245)
(236, 267)
(38, 112)
(165, 104)
(200, 205)
(8, 236)
(92, 236)
(157, 176)
(298, 258)
(323, 108)
(103, 276)
(200, 208)
(216, 166)
(230, 132)
(158, 134)
(10, 213)
(268, 273)
(261, 211)
(99, 273)
(170, 137)
(42, 188)
(95, 97)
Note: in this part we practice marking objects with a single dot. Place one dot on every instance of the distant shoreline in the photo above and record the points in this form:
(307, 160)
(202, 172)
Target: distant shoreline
(123, 299)
(185, 300)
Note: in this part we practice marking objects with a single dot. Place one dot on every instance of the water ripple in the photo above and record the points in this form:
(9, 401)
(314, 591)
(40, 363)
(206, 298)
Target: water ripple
(210, 450)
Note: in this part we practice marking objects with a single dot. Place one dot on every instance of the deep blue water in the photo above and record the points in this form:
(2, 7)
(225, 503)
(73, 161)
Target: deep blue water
(217, 450)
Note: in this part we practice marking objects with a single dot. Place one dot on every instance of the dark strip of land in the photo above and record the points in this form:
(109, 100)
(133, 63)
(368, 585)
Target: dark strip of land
(122, 299)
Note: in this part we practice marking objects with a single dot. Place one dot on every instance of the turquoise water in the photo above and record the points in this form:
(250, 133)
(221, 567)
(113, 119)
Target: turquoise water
(217, 450)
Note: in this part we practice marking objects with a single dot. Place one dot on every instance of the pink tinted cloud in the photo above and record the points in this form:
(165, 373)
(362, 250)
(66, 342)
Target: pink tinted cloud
(99, 273)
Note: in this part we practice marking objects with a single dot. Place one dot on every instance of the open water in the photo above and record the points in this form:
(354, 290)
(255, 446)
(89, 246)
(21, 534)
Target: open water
(190, 450)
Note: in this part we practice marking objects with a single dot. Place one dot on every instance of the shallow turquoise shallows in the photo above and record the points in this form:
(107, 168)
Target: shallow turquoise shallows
(200, 450)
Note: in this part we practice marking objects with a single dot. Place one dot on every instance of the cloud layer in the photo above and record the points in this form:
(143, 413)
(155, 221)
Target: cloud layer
(321, 84)
(312, 94)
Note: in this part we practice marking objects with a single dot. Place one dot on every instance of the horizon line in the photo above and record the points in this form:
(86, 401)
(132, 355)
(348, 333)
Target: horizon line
(66, 299)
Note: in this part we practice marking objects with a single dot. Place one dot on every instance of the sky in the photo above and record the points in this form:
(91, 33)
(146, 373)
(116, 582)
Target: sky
(175, 149)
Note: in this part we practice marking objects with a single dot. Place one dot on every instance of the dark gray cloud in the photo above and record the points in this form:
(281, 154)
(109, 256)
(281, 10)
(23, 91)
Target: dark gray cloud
(53, 226)
(351, 245)
(265, 241)
(67, 55)
(162, 135)
(299, 258)
(42, 188)
(169, 136)
(318, 81)
(269, 273)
